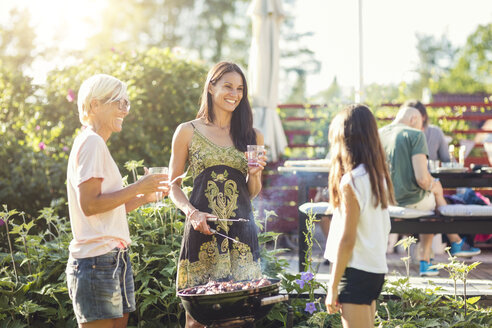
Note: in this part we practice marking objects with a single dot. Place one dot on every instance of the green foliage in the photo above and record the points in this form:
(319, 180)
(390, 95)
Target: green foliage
(215, 29)
(472, 71)
(32, 173)
(317, 127)
(406, 243)
(33, 290)
(415, 307)
(38, 124)
(164, 91)
(17, 40)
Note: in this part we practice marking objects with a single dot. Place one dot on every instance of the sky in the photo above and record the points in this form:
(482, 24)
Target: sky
(389, 32)
(389, 35)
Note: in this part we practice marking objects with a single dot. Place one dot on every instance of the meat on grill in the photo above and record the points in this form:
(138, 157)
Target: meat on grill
(215, 287)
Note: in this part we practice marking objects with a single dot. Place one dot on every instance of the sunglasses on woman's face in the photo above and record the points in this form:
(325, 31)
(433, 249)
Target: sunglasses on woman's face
(123, 104)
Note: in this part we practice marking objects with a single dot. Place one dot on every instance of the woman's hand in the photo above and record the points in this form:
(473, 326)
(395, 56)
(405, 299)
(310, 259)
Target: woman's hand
(256, 170)
(149, 184)
(199, 222)
(331, 301)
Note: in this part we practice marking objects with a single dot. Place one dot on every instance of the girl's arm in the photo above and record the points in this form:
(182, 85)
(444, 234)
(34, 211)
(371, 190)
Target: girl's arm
(179, 156)
(351, 212)
(254, 173)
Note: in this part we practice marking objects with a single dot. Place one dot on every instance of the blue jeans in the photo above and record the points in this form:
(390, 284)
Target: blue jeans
(101, 287)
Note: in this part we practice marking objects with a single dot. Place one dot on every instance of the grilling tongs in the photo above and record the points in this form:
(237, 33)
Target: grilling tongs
(218, 233)
(228, 220)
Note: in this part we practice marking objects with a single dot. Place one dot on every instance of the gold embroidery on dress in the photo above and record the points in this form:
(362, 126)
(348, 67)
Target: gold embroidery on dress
(203, 153)
(243, 267)
(227, 260)
(223, 203)
(211, 265)
(237, 264)
(224, 246)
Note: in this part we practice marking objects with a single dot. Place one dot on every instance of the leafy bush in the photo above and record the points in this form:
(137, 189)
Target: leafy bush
(33, 288)
(38, 123)
(164, 91)
(32, 174)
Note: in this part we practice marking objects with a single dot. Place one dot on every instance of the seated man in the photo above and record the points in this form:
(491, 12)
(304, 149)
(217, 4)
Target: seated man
(436, 141)
(406, 151)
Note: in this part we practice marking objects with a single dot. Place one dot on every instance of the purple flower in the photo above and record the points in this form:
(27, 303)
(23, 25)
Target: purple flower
(70, 95)
(38, 128)
(2, 222)
(300, 283)
(306, 276)
(65, 148)
(310, 307)
(42, 145)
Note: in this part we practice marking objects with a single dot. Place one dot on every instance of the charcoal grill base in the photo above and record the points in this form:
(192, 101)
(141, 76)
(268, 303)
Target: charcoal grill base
(215, 309)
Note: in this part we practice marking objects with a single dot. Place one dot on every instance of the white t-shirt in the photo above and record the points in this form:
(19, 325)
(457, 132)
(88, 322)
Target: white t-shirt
(96, 234)
(372, 231)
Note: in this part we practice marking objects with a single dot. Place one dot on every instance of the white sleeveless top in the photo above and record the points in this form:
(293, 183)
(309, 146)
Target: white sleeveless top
(372, 231)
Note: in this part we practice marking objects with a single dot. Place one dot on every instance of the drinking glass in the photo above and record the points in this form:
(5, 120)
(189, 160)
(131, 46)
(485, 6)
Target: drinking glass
(433, 165)
(254, 151)
(158, 194)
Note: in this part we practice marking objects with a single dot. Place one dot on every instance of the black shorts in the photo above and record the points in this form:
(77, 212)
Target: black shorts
(360, 287)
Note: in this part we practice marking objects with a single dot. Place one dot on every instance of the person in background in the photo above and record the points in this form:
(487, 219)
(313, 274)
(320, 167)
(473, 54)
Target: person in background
(406, 151)
(214, 146)
(436, 141)
(360, 192)
(99, 272)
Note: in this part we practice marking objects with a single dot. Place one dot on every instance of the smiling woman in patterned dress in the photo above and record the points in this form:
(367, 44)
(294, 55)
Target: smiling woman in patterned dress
(214, 146)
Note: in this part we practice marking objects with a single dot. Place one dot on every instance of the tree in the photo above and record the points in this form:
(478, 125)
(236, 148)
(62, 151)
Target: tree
(472, 72)
(17, 40)
(296, 60)
(332, 94)
(213, 29)
(436, 57)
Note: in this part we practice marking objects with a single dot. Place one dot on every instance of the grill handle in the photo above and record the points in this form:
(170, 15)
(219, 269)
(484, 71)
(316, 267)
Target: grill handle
(273, 299)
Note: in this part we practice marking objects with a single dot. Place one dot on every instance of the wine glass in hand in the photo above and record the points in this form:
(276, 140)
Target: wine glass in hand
(158, 195)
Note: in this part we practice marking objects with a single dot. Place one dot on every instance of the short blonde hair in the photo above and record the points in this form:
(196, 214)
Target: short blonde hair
(102, 87)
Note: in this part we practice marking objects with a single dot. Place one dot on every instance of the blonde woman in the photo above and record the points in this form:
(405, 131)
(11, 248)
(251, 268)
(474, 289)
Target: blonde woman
(99, 272)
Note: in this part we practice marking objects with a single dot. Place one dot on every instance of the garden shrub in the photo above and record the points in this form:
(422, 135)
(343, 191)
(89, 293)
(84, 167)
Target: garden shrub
(164, 91)
(32, 174)
(38, 123)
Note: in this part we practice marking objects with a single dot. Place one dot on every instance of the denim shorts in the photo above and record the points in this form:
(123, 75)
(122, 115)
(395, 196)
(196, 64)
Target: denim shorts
(360, 287)
(101, 287)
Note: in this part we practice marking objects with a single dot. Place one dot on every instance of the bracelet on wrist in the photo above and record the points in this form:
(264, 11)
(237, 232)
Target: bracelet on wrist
(190, 213)
(432, 184)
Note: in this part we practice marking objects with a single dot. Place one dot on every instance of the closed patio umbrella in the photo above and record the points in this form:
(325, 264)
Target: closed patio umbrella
(263, 67)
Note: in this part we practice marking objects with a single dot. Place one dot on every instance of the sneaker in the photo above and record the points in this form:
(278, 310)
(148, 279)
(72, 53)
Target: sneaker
(463, 249)
(426, 271)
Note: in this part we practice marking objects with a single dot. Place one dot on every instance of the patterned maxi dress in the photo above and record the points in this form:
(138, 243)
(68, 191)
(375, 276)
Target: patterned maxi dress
(219, 187)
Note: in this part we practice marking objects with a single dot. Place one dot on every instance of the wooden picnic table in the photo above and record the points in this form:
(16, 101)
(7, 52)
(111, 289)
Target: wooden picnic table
(317, 176)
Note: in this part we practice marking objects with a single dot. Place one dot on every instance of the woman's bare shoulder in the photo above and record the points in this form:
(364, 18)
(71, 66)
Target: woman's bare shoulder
(188, 127)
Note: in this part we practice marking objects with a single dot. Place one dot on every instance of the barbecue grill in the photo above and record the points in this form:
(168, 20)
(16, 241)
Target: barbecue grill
(233, 309)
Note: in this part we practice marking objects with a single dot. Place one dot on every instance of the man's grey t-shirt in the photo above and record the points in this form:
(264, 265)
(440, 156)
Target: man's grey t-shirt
(436, 144)
(400, 143)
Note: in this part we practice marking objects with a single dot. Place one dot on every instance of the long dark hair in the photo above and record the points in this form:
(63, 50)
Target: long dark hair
(241, 131)
(354, 140)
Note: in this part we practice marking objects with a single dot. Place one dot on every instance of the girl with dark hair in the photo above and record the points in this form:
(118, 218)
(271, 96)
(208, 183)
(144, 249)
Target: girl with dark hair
(360, 191)
(214, 145)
